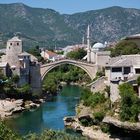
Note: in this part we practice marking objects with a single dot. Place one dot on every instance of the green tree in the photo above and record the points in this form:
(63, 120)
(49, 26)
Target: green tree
(130, 103)
(125, 48)
(77, 55)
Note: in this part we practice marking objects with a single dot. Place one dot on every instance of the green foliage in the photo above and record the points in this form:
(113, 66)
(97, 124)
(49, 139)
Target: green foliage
(7, 134)
(50, 84)
(125, 48)
(91, 99)
(86, 122)
(105, 128)
(24, 89)
(98, 116)
(130, 103)
(65, 73)
(15, 79)
(36, 52)
(53, 135)
(77, 55)
(100, 73)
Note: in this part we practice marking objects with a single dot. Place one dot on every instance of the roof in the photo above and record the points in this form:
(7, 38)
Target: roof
(50, 53)
(98, 46)
(32, 57)
(15, 38)
(124, 60)
(24, 54)
(136, 36)
(3, 64)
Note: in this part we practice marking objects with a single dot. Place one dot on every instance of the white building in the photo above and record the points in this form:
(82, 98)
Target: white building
(52, 56)
(125, 68)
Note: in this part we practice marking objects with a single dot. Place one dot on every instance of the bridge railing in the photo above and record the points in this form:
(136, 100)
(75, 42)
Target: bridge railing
(70, 60)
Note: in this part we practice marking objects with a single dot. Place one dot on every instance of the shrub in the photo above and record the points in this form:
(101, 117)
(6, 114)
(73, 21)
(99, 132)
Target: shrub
(91, 99)
(53, 135)
(7, 134)
(105, 128)
(86, 122)
(98, 116)
(125, 48)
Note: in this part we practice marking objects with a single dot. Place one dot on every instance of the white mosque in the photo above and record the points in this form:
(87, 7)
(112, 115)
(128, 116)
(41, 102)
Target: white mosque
(96, 53)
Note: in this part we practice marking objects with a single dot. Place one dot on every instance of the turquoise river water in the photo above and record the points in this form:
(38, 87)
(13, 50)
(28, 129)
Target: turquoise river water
(49, 115)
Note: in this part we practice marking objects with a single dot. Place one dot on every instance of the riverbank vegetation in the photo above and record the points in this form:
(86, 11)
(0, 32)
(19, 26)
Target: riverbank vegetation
(95, 107)
(7, 134)
(98, 104)
(65, 73)
(9, 87)
(129, 103)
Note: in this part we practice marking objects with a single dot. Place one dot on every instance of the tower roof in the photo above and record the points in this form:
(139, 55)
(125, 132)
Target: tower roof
(15, 38)
(24, 54)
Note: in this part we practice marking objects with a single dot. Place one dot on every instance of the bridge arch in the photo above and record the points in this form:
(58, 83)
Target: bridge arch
(88, 68)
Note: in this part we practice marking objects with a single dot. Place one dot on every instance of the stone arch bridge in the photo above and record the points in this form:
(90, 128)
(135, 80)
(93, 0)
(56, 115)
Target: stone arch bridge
(89, 68)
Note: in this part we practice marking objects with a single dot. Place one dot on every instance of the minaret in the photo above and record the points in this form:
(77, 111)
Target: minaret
(83, 40)
(88, 45)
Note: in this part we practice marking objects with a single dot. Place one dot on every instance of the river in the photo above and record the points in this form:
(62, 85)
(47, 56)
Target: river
(49, 115)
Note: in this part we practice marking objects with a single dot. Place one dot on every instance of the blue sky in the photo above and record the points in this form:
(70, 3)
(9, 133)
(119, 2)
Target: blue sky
(73, 6)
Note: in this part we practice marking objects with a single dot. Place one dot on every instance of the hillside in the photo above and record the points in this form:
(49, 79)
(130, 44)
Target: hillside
(50, 28)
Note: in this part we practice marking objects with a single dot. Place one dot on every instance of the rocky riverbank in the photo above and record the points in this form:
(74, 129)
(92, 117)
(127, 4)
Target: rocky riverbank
(92, 132)
(118, 130)
(129, 126)
(10, 106)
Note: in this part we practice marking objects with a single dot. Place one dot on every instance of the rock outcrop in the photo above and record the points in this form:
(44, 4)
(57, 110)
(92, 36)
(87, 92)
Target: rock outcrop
(90, 132)
(124, 125)
(8, 107)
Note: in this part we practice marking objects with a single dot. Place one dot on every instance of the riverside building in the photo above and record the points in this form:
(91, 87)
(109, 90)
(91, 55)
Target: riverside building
(18, 62)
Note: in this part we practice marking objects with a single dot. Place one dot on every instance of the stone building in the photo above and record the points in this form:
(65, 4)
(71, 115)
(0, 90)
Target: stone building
(21, 63)
(122, 69)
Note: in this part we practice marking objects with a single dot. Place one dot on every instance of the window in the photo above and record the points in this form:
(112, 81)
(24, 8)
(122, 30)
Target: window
(137, 71)
(117, 69)
(17, 44)
(11, 44)
(126, 70)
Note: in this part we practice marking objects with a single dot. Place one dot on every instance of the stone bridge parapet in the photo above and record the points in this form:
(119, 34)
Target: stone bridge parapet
(89, 68)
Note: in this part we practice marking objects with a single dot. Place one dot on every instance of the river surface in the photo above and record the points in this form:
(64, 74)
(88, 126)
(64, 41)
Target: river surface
(49, 115)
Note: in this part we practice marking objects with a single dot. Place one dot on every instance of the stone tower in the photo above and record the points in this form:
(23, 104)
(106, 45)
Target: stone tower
(13, 49)
(88, 45)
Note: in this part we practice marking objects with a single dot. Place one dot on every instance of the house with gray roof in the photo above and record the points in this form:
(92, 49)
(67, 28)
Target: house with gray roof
(125, 68)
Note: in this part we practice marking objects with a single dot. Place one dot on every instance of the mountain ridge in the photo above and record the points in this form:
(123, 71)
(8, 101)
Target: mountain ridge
(53, 28)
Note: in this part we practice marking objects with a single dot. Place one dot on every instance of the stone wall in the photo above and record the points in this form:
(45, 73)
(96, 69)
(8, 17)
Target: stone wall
(114, 91)
(35, 78)
(98, 85)
(12, 51)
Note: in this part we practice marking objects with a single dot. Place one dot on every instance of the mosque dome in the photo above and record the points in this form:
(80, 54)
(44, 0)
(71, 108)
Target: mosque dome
(98, 46)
